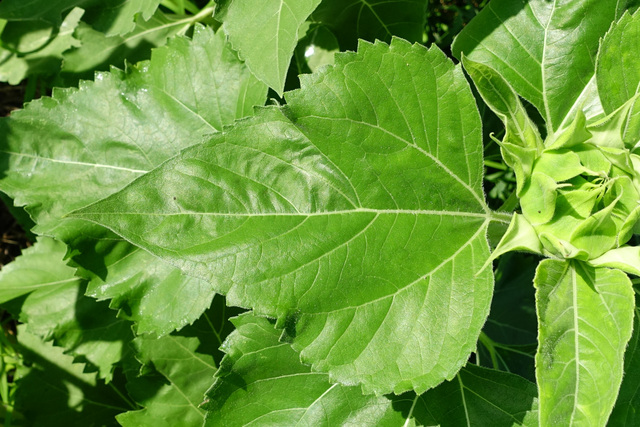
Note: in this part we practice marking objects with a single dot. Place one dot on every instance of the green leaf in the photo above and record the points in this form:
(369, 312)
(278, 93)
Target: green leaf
(56, 392)
(293, 211)
(35, 47)
(545, 49)
(112, 17)
(262, 381)
(98, 51)
(625, 412)
(586, 316)
(183, 367)
(39, 267)
(372, 20)
(618, 74)
(53, 306)
(265, 34)
(109, 132)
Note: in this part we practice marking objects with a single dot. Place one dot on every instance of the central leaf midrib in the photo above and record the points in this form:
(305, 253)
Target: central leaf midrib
(481, 215)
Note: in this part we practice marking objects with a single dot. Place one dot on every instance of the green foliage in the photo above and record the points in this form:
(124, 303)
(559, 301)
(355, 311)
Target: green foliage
(207, 256)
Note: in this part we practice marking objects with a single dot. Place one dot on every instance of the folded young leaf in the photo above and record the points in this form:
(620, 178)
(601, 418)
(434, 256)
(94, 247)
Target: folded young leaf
(97, 50)
(81, 145)
(262, 381)
(355, 215)
(265, 34)
(585, 321)
(544, 49)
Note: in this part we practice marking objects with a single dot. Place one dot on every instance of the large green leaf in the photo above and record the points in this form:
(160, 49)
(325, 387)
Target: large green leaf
(585, 321)
(545, 49)
(372, 20)
(262, 382)
(355, 215)
(35, 47)
(53, 391)
(39, 289)
(67, 151)
(625, 412)
(109, 16)
(265, 34)
(182, 368)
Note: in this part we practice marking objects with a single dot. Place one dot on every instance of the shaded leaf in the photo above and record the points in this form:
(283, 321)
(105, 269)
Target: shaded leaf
(53, 306)
(182, 367)
(35, 47)
(55, 392)
(586, 317)
(372, 20)
(350, 215)
(109, 16)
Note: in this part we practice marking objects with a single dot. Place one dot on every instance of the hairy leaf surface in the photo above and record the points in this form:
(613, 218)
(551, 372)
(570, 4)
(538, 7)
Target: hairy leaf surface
(585, 321)
(67, 151)
(355, 215)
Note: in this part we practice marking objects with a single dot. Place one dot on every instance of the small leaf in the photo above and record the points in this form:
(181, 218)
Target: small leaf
(586, 317)
(265, 35)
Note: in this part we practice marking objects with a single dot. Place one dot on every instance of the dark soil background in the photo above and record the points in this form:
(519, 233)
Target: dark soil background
(12, 237)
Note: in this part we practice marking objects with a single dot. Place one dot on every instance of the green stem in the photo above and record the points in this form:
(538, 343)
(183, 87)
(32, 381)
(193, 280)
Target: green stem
(489, 345)
(495, 165)
(123, 397)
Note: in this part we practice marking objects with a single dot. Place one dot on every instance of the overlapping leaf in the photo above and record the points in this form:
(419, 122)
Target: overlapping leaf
(545, 49)
(182, 366)
(39, 289)
(372, 20)
(265, 34)
(53, 391)
(111, 16)
(67, 151)
(261, 381)
(35, 47)
(351, 215)
(98, 50)
(586, 319)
